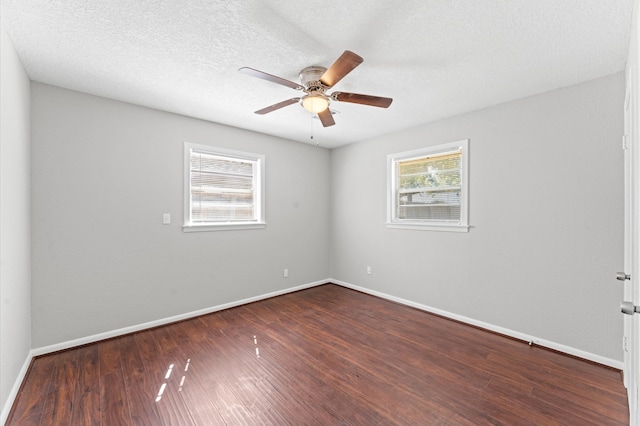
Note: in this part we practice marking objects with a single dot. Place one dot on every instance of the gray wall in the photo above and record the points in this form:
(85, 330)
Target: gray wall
(104, 172)
(546, 210)
(15, 240)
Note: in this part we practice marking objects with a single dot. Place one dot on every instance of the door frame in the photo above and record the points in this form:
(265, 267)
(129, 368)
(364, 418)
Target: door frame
(631, 250)
(631, 145)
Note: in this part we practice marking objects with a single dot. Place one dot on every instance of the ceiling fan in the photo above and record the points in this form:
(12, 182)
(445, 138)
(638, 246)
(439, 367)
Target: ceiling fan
(314, 82)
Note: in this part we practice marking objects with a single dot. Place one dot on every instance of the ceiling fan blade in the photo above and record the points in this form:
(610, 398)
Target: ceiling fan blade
(269, 77)
(326, 118)
(356, 98)
(277, 106)
(341, 67)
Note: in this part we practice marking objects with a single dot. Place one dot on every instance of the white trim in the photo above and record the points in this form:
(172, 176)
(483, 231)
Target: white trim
(134, 328)
(497, 329)
(232, 226)
(6, 409)
(259, 194)
(430, 225)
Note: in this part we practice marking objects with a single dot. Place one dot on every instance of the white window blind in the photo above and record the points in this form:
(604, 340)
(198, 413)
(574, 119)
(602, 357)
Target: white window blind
(222, 187)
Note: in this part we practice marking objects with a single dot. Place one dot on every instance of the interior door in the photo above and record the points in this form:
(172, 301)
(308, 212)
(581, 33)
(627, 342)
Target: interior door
(631, 249)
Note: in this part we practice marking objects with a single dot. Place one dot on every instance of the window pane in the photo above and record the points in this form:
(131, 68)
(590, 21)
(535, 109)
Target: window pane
(441, 213)
(210, 163)
(219, 182)
(428, 188)
(222, 189)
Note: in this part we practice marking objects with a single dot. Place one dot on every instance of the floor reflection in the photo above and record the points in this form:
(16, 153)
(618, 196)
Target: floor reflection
(167, 378)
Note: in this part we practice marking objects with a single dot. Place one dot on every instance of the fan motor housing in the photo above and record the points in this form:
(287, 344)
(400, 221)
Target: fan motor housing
(310, 76)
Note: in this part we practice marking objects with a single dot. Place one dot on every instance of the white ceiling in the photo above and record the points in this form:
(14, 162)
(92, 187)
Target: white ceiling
(435, 58)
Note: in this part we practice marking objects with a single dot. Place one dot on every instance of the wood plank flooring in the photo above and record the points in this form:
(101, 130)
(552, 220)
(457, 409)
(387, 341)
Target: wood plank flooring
(322, 356)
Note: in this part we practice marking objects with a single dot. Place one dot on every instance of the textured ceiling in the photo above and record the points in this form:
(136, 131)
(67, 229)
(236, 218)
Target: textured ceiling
(435, 58)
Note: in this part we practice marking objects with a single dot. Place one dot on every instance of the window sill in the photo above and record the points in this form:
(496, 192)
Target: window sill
(223, 227)
(430, 227)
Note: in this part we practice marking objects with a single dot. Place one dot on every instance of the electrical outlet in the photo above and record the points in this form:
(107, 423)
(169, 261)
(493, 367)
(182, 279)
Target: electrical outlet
(368, 270)
(166, 218)
(286, 273)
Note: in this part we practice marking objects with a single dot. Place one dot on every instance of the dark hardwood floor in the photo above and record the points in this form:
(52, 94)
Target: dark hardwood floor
(322, 356)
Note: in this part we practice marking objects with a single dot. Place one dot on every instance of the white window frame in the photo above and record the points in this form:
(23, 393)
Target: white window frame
(429, 225)
(259, 185)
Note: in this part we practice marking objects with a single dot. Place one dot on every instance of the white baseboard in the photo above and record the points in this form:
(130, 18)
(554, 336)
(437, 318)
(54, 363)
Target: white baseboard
(132, 329)
(4, 415)
(501, 330)
(122, 331)
(511, 333)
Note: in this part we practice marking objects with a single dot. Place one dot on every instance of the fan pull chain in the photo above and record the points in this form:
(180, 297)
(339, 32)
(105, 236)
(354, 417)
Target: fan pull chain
(312, 130)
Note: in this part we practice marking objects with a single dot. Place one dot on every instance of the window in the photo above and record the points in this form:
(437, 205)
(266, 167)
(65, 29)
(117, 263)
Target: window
(224, 189)
(428, 188)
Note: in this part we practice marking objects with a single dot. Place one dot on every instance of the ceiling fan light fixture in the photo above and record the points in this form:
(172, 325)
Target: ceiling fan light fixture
(314, 81)
(315, 103)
